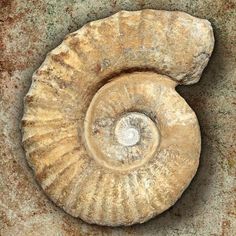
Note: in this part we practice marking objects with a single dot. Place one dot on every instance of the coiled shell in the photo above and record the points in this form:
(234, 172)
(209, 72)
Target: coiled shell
(108, 137)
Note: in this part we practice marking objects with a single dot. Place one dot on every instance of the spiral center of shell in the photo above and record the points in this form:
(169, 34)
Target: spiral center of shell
(117, 137)
(128, 137)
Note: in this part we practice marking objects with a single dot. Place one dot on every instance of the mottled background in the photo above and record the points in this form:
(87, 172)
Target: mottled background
(31, 28)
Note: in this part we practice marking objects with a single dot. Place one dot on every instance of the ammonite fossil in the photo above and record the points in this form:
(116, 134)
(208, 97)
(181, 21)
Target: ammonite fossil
(108, 137)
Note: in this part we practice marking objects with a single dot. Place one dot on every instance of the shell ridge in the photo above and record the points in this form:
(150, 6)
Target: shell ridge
(87, 212)
(95, 206)
(47, 152)
(144, 190)
(80, 181)
(82, 208)
(56, 189)
(143, 202)
(104, 198)
(61, 90)
(130, 201)
(113, 199)
(39, 137)
(51, 177)
(72, 186)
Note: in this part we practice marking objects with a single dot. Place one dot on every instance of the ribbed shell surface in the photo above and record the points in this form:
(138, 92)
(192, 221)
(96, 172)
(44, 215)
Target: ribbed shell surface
(124, 67)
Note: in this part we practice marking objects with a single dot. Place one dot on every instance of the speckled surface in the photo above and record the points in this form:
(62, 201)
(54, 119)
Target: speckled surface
(28, 30)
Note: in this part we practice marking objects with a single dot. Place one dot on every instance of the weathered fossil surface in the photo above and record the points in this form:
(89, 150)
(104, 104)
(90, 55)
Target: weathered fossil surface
(108, 137)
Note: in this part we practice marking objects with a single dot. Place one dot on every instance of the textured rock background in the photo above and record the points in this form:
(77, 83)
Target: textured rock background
(28, 30)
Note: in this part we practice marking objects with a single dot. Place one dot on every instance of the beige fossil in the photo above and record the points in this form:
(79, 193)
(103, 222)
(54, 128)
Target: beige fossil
(106, 134)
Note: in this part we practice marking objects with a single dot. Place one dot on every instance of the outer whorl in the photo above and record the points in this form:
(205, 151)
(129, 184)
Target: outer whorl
(106, 134)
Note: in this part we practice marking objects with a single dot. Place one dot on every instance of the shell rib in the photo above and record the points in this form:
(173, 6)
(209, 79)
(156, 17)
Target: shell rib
(108, 137)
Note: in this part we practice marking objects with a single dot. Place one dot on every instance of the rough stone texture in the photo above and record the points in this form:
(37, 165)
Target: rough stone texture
(29, 29)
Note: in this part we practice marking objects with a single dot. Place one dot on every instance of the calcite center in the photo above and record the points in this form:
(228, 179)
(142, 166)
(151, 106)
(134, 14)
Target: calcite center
(128, 136)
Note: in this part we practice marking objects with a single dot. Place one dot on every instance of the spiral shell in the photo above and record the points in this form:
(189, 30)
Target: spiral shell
(108, 137)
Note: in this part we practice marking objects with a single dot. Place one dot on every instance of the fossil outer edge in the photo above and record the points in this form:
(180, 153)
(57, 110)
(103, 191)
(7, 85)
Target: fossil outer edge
(106, 134)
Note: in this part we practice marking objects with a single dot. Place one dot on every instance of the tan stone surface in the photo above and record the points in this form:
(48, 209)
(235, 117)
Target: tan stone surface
(29, 29)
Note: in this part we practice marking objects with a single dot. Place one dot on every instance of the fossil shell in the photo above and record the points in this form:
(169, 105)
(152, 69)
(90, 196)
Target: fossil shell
(108, 137)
